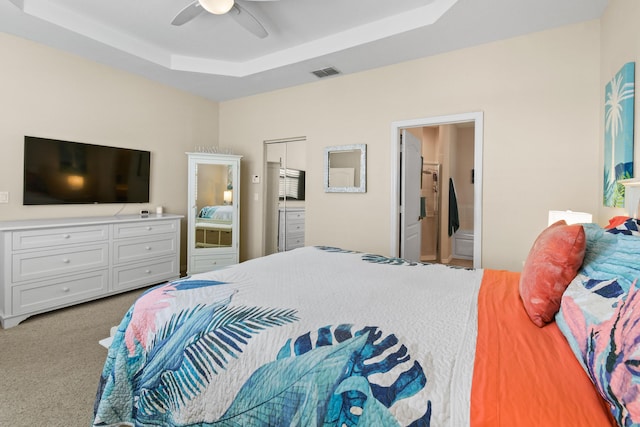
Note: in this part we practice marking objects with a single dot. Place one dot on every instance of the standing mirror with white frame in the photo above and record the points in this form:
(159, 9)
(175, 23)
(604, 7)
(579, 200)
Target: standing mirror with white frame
(345, 169)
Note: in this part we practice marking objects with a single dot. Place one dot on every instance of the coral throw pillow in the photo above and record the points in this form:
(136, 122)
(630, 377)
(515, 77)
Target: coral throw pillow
(552, 264)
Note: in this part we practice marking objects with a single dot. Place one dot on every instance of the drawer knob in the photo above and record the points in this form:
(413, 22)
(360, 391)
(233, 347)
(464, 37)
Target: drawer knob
(149, 228)
(65, 289)
(148, 248)
(67, 236)
(66, 260)
(148, 271)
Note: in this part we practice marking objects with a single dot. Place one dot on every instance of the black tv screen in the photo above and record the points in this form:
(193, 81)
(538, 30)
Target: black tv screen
(64, 172)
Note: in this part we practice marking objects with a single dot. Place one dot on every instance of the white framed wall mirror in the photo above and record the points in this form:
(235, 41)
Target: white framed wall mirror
(345, 169)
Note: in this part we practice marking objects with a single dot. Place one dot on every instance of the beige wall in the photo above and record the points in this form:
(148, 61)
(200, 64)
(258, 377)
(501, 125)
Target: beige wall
(619, 44)
(51, 94)
(462, 176)
(540, 96)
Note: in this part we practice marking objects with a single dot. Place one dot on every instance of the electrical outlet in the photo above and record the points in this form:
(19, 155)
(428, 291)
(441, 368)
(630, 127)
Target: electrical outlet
(4, 197)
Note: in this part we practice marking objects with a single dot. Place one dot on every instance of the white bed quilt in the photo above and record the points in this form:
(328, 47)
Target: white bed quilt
(312, 337)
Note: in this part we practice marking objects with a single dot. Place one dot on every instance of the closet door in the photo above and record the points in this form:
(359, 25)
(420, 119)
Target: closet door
(272, 212)
(285, 195)
(214, 211)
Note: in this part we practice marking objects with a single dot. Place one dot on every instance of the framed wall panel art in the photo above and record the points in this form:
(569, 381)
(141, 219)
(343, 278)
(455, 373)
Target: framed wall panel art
(618, 134)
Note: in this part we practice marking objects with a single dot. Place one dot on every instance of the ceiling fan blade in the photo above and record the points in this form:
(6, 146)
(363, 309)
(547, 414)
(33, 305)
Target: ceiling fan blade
(188, 13)
(248, 21)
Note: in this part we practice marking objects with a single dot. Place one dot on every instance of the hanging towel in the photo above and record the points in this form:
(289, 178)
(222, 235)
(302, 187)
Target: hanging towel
(423, 207)
(454, 220)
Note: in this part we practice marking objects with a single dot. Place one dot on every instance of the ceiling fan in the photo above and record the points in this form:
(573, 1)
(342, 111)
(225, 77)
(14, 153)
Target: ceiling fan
(220, 7)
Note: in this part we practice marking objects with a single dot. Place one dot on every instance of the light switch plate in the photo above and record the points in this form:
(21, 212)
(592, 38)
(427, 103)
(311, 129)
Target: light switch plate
(255, 179)
(4, 197)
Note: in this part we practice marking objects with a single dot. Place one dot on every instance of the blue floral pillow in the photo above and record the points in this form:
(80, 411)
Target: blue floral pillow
(611, 256)
(602, 325)
(600, 318)
(630, 227)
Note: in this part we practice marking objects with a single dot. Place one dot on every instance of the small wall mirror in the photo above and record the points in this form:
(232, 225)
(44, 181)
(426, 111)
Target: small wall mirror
(345, 169)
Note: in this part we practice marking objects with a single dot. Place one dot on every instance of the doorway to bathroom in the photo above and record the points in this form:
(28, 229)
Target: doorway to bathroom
(437, 189)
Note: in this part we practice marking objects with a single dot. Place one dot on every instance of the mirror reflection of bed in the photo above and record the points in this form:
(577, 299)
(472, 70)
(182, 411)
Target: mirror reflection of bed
(214, 206)
(214, 226)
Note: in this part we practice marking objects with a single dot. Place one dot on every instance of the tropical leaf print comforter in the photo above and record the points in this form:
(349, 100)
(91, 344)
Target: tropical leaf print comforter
(312, 337)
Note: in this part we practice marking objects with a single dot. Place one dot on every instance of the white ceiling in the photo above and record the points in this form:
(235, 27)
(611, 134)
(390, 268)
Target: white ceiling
(214, 57)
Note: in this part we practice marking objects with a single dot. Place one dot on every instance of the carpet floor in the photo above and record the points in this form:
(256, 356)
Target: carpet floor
(50, 364)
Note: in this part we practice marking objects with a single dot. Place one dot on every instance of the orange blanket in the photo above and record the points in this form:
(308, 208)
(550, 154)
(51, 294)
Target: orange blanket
(525, 375)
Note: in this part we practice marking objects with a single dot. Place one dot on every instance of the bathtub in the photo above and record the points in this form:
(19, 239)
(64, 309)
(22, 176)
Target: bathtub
(463, 244)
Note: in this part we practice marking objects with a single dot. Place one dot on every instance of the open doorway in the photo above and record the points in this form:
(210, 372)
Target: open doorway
(433, 169)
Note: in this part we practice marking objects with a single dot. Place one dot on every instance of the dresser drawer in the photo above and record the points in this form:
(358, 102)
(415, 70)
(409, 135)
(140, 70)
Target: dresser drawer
(43, 264)
(144, 228)
(294, 227)
(293, 215)
(201, 263)
(295, 241)
(143, 274)
(141, 249)
(43, 238)
(48, 294)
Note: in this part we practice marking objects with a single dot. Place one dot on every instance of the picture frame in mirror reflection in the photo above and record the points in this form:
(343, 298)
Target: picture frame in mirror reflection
(345, 169)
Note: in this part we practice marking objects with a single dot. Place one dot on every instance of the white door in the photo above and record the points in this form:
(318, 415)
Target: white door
(271, 208)
(410, 227)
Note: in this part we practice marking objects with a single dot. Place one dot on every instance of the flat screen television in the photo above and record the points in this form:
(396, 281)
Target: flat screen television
(64, 172)
(292, 183)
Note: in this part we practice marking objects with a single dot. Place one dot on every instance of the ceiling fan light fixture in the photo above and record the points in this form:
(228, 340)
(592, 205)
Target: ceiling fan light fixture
(217, 7)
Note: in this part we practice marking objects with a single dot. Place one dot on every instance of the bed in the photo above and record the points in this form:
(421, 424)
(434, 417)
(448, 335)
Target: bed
(326, 336)
(216, 220)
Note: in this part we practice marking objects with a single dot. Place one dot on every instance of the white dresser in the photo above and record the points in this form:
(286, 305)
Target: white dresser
(52, 263)
(290, 228)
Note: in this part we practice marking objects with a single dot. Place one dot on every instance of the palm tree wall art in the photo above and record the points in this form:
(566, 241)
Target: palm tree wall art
(618, 134)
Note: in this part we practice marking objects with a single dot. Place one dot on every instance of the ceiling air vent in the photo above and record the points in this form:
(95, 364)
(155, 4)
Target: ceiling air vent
(325, 72)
